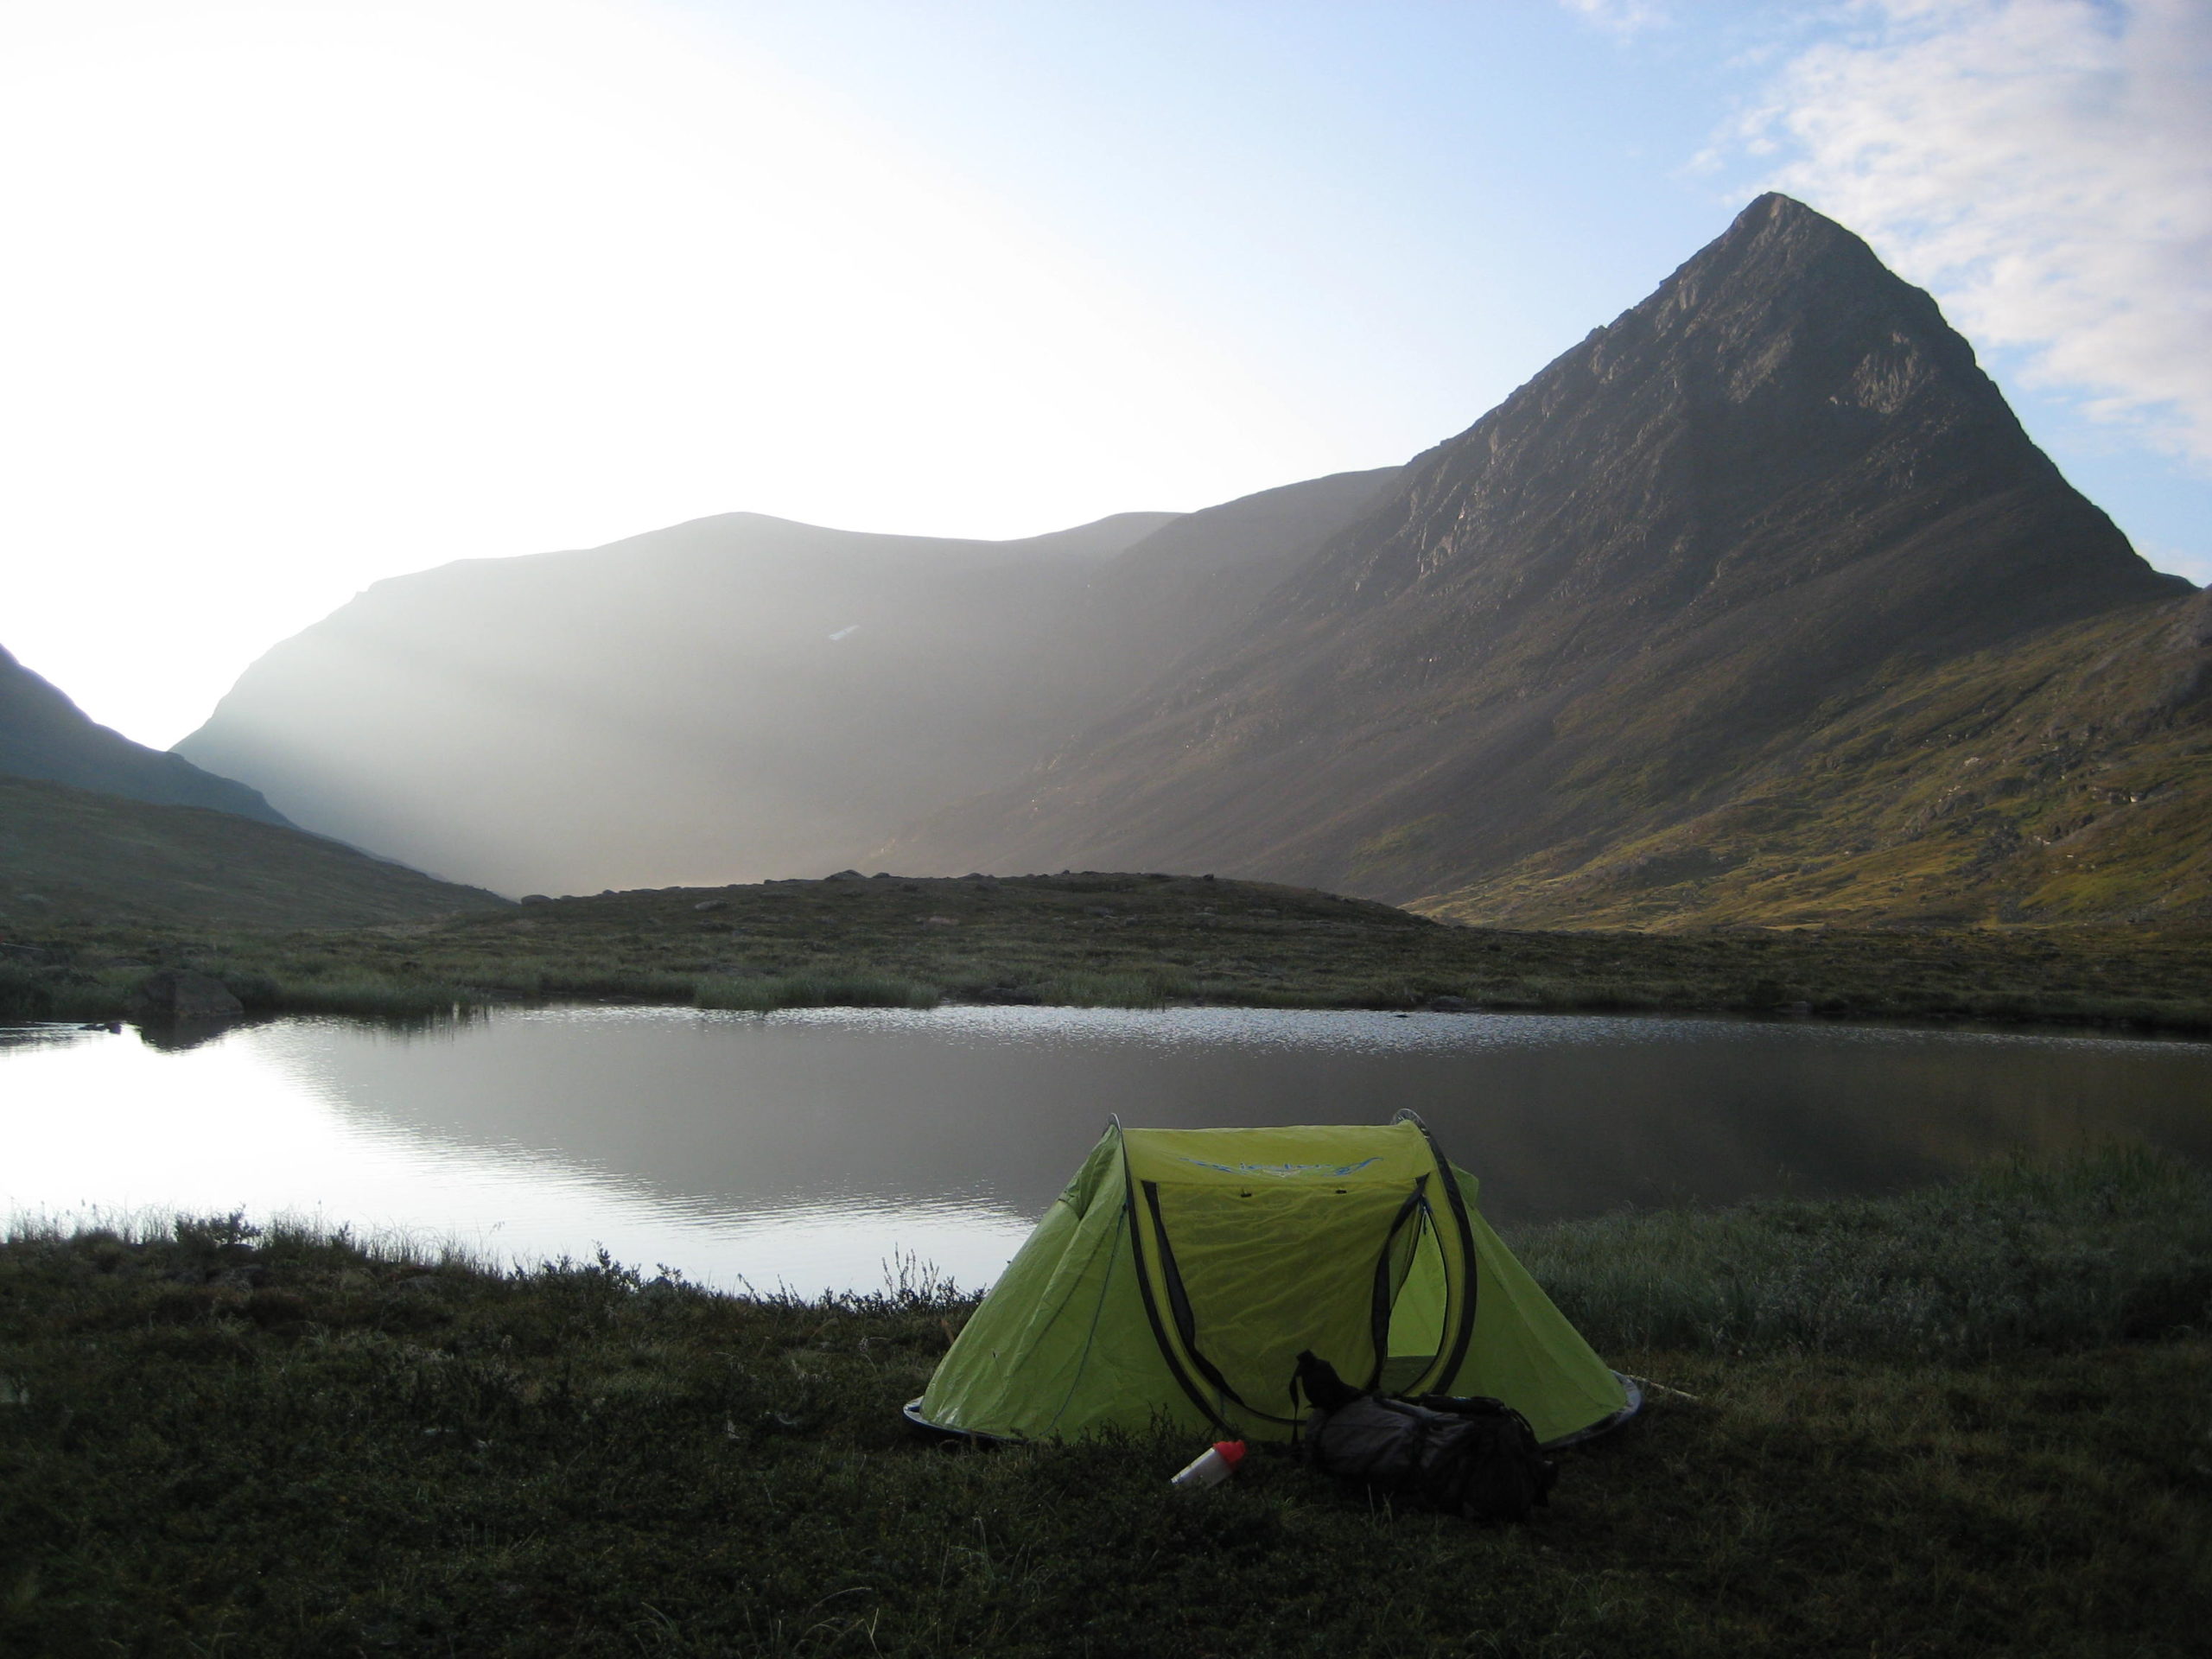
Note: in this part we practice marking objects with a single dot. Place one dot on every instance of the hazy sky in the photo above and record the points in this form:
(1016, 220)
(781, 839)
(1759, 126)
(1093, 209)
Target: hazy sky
(298, 295)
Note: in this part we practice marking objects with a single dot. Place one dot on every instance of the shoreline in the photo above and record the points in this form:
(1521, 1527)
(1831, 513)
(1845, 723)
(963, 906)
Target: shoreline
(1126, 941)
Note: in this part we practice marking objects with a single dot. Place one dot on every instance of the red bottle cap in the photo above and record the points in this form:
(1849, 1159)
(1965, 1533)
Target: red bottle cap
(1232, 1452)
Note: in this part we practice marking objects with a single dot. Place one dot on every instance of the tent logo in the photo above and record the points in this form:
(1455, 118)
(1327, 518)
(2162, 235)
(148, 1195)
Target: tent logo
(1335, 1170)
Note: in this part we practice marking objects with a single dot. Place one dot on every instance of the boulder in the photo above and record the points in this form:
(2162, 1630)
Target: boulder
(179, 994)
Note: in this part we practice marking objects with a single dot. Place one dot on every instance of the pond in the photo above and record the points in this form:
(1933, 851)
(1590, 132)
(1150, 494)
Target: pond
(833, 1148)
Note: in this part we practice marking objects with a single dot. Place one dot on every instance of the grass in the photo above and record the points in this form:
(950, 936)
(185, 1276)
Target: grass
(2102, 1249)
(1126, 940)
(212, 1440)
(78, 855)
(2062, 779)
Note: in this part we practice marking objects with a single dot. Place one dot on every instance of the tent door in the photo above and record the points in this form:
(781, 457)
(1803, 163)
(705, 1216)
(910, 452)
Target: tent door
(1249, 1276)
(1417, 1334)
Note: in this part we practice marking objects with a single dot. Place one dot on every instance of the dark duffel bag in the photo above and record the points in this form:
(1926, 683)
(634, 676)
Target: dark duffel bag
(1475, 1457)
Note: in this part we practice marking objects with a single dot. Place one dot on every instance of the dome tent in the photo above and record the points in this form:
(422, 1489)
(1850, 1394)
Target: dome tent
(1182, 1271)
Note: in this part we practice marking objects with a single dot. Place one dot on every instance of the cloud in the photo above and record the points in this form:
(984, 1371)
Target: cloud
(2044, 167)
(1618, 17)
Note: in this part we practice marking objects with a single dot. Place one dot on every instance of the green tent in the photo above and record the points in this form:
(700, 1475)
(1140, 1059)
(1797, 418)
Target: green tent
(1183, 1270)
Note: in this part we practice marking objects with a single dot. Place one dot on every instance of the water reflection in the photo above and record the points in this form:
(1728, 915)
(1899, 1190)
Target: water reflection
(807, 1148)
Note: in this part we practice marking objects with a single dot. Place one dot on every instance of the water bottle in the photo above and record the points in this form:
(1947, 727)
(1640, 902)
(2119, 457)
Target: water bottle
(1212, 1466)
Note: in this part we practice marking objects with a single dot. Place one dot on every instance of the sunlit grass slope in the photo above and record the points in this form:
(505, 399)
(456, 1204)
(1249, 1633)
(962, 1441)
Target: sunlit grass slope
(2065, 779)
(212, 1441)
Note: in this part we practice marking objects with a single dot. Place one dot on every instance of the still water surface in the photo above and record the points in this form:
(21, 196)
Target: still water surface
(813, 1149)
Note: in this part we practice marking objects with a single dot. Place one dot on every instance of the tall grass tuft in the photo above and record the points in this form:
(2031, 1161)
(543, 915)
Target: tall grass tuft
(365, 994)
(2114, 1245)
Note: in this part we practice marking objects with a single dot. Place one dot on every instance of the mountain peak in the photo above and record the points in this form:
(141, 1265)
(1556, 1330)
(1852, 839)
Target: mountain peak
(1773, 220)
(1749, 498)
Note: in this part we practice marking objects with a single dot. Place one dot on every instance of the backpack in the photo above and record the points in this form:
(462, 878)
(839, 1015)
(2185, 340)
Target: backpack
(1474, 1457)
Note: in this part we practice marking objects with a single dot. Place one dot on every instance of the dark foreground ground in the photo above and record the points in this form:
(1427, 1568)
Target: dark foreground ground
(1970, 1420)
(1118, 939)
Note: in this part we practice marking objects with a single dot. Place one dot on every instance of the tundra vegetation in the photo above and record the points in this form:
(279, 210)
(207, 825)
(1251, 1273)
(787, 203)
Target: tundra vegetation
(1966, 1420)
(1122, 939)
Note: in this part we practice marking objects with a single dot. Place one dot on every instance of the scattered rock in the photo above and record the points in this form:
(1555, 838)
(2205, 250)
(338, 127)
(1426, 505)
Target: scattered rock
(940, 921)
(179, 994)
(712, 904)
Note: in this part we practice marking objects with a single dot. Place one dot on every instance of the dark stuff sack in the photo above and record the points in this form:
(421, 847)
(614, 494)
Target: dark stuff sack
(1474, 1457)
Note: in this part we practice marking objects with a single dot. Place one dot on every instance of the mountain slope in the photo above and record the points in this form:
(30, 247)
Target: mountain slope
(73, 855)
(1777, 483)
(2064, 778)
(734, 698)
(43, 735)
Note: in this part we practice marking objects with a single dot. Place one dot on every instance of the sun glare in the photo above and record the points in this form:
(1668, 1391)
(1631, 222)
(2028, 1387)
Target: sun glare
(312, 295)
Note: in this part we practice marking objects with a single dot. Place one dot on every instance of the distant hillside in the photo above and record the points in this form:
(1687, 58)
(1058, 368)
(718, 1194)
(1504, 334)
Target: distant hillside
(1755, 606)
(43, 735)
(737, 697)
(1674, 634)
(2067, 778)
(71, 855)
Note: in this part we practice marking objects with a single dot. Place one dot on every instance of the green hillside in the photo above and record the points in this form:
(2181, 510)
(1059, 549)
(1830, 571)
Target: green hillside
(2066, 778)
(72, 855)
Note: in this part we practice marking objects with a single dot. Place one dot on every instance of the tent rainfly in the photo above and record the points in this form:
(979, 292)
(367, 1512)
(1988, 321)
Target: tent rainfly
(1183, 1270)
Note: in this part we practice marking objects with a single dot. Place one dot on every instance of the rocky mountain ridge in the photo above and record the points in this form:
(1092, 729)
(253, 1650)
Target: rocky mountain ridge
(1772, 491)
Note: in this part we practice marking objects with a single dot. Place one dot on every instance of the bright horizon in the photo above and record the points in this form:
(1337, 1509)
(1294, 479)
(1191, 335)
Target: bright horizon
(308, 296)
